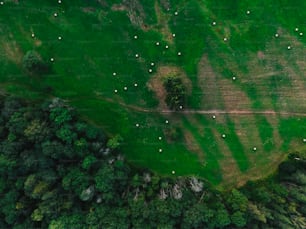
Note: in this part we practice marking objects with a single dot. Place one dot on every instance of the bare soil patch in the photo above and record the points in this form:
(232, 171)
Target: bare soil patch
(247, 131)
(135, 12)
(228, 164)
(233, 97)
(118, 7)
(156, 83)
(12, 51)
(163, 23)
(192, 145)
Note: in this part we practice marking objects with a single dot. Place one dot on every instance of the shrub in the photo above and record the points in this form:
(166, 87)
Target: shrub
(33, 63)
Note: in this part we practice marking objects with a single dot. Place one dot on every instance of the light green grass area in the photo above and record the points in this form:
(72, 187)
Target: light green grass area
(96, 55)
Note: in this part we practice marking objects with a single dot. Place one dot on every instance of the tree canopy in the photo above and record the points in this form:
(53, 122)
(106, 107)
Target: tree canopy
(34, 64)
(59, 172)
(176, 92)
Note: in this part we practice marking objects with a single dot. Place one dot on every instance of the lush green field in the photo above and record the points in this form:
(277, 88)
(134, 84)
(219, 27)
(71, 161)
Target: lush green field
(218, 40)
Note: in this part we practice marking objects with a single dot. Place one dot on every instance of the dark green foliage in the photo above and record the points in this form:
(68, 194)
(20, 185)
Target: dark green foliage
(33, 63)
(88, 162)
(198, 215)
(114, 142)
(75, 180)
(237, 201)
(66, 134)
(60, 115)
(67, 221)
(239, 219)
(176, 92)
(58, 172)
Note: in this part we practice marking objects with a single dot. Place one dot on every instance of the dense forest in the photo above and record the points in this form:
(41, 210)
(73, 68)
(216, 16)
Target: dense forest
(58, 171)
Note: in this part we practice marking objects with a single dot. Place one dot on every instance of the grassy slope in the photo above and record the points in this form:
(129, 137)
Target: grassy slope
(97, 41)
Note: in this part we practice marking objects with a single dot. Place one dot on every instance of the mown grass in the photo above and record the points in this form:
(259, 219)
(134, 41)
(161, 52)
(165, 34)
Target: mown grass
(292, 129)
(190, 41)
(212, 168)
(234, 144)
(265, 132)
(97, 41)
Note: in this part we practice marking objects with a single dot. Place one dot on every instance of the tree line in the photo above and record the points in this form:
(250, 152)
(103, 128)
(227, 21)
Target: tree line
(58, 171)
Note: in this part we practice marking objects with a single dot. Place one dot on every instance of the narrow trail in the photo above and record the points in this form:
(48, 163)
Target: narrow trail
(238, 112)
(213, 112)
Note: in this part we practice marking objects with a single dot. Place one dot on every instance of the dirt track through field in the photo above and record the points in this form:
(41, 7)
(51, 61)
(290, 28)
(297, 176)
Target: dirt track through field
(213, 112)
(237, 112)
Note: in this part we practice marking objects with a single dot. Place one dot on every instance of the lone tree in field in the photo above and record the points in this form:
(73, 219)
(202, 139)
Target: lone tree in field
(33, 63)
(176, 92)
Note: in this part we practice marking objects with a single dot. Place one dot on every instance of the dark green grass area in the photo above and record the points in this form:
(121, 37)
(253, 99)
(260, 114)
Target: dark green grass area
(265, 132)
(287, 13)
(292, 129)
(209, 137)
(144, 149)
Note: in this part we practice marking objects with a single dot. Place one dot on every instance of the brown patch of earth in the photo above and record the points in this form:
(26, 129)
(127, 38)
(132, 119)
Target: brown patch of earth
(118, 7)
(163, 23)
(233, 97)
(88, 9)
(260, 55)
(228, 165)
(136, 14)
(192, 145)
(12, 51)
(247, 132)
(156, 83)
(37, 43)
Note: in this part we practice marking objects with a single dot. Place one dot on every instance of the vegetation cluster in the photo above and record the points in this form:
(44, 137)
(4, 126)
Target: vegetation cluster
(176, 92)
(58, 171)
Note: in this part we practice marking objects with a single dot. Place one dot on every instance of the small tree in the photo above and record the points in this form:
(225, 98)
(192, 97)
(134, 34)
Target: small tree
(115, 142)
(176, 92)
(33, 63)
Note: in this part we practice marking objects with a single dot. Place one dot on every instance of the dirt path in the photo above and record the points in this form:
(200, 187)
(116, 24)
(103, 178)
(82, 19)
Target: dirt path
(213, 112)
(237, 112)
